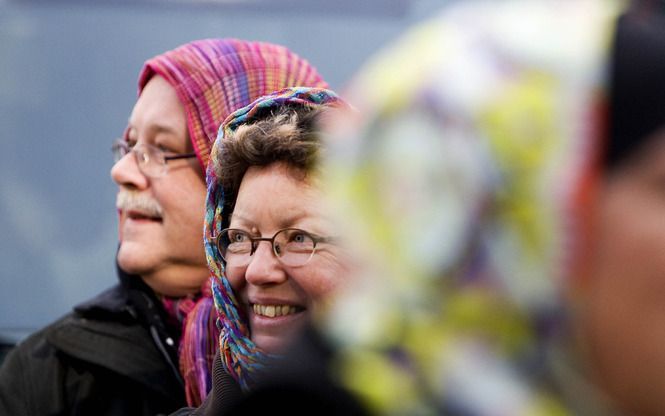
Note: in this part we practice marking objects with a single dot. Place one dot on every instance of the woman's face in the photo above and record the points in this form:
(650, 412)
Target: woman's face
(622, 308)
(277, 298)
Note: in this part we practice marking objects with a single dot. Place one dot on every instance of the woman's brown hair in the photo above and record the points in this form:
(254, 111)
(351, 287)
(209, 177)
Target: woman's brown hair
(288, 135)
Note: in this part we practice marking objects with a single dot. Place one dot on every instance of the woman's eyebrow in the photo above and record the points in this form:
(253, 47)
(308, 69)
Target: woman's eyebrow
(239, 217)
(294, 216)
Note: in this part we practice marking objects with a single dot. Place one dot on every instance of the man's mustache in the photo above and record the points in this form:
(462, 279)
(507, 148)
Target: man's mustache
(139, 202)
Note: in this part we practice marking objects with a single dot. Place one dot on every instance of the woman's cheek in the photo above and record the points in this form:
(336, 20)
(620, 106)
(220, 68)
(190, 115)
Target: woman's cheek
(236, 278)
(324, 279)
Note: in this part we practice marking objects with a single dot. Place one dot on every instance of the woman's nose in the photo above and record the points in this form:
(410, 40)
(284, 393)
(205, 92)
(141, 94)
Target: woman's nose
(264, 267)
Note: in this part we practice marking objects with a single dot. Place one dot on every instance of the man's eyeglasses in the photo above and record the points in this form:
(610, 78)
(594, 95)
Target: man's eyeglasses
(292, 246)
(152, 160)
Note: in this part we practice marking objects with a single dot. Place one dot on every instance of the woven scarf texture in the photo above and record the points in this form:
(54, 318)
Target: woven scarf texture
(213, 78)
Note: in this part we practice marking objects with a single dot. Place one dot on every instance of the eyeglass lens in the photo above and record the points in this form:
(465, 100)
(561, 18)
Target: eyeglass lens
(150, 159)
(293, 247)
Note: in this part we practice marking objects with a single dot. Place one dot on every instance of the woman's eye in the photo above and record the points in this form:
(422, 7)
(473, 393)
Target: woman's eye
(298, 238)
(238, 237)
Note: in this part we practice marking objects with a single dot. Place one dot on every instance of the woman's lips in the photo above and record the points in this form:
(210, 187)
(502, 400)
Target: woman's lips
(273, 323)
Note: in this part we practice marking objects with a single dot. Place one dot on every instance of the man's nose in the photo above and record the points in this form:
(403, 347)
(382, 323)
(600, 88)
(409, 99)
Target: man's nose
(126, 173)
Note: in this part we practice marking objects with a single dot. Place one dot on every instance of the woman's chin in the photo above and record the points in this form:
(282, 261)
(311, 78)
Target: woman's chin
(277, 342)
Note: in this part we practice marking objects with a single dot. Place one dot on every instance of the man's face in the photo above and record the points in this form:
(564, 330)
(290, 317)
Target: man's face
(161, 218)
(622, 308)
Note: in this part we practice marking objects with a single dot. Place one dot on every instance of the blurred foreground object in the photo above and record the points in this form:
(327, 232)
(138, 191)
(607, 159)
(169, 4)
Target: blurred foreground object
(485, 184)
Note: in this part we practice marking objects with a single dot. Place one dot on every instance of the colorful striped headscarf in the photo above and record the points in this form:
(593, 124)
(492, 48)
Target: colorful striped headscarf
(240, 356)
(214, 77)
(465, 186)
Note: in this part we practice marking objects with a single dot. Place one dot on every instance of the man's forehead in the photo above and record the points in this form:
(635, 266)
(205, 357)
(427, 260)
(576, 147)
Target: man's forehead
(159, 112)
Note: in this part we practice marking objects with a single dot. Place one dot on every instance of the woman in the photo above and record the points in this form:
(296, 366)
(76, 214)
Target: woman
(507, 181)
(270, 242)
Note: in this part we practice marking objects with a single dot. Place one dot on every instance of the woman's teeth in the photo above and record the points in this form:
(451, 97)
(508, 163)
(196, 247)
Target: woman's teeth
(273, 310)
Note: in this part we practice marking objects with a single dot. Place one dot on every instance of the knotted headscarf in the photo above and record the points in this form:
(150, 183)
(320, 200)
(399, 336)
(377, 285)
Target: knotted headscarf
(240, 356)
(465, 187)
(214, 77)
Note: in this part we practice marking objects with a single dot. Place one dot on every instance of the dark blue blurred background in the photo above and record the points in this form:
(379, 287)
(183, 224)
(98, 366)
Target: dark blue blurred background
(68, 74)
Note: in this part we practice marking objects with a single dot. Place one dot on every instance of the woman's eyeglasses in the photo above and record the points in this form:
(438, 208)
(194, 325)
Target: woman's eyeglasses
(292, 246)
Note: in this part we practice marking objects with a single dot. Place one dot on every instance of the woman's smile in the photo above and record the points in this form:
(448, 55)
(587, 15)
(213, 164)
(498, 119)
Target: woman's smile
(274, 323)
(272, 311)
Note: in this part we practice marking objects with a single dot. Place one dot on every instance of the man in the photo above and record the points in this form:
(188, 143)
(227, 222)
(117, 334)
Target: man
(132, 349)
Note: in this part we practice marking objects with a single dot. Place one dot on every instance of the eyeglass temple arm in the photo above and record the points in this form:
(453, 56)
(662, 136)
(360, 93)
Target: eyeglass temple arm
(325, 239)
(183, 156)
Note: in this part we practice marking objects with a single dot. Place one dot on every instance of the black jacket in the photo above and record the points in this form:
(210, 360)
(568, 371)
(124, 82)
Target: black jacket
(113, 355)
